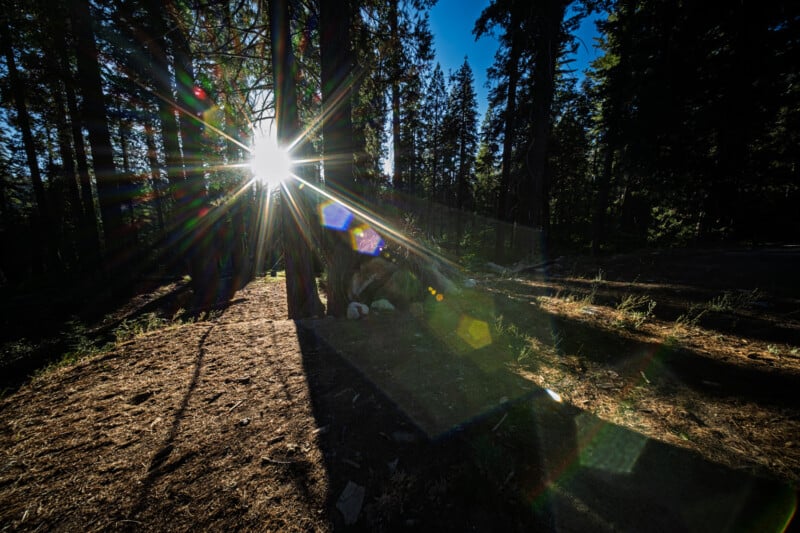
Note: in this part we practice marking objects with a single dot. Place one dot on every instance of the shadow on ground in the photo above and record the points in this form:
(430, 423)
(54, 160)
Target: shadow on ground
(434, 433)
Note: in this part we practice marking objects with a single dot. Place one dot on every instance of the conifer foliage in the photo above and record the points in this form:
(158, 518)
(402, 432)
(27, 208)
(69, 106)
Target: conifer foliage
(128, 126)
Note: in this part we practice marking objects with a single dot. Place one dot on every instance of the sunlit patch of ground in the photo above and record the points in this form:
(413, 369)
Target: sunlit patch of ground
(720, 392)
(237, 419)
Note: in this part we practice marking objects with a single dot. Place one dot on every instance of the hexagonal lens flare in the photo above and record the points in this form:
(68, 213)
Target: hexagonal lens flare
(366, 240)
(335, 216)
(474, 332)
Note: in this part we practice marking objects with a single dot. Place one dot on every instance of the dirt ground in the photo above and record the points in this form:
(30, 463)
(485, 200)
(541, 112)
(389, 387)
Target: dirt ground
(536, 400)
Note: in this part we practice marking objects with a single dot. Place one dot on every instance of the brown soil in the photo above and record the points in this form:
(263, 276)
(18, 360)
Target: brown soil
(436, 419)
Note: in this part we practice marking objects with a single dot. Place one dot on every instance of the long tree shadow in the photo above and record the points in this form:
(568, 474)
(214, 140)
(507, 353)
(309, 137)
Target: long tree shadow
(629, 356)
(435, 432)
(751, 292)
(406, 478)
(735, 312)
(159, 464)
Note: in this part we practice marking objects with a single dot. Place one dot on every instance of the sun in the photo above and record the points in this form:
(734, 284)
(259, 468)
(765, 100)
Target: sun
(270, 163)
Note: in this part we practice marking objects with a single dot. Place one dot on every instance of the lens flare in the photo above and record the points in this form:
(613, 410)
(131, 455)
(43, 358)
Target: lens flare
(270, 163)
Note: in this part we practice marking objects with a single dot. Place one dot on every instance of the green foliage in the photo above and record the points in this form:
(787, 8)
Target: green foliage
(79, 343)
(636, 310)
(727, 302)
(17, 350)
(702, 140)
(140, 325)
(525, 347)
(731, 302)
(597, 282)
(773, 349)
(691, 318)
(670, 228)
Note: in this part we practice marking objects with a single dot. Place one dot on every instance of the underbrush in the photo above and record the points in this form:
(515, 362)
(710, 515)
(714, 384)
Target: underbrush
(635, 310)
(22, 358)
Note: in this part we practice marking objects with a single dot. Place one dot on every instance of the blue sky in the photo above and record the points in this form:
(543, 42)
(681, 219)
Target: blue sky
(451, 24)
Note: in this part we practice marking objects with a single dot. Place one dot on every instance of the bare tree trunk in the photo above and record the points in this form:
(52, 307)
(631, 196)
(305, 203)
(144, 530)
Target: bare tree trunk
(301, 286)
(547, 47)
(68, 170)
(155, 174)
(337, 132)
(89, 234)
(41, 222)
(94, 112)
(397, 178)
(508, 144)
(161, 77)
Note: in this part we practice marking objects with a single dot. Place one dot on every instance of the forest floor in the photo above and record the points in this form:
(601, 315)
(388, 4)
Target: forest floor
(651, 391)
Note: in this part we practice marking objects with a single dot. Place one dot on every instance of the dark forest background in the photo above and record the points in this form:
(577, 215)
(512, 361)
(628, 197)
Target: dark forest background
(125, 127)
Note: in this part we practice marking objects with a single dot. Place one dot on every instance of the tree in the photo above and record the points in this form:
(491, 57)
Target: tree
(301, 286)
(685, 141)
(547, 46)
(410, 51)
(570, 162)
(337, 132)
(435, 109)
(461, 131)
(509, 14)
(487, 165)
(41, 224)
(89, 238)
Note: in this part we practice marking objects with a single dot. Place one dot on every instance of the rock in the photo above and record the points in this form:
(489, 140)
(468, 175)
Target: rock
(470, 283)
(350, 502)
(382, 305)
(357, 310)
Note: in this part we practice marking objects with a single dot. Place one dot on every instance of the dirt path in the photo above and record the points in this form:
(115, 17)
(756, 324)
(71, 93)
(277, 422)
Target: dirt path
(245, 421)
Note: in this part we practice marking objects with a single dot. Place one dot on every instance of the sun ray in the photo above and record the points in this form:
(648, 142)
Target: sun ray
(298, 214)
(375, 221)
(263, 225)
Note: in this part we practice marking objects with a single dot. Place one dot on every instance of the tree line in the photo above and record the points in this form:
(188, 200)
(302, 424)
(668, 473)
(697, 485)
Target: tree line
(126, 127)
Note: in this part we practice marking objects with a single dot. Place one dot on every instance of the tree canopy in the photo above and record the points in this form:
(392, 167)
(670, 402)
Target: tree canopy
(129, 126)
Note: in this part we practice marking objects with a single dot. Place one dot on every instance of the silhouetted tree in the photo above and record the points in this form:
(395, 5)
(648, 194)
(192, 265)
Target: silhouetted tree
(301, 286)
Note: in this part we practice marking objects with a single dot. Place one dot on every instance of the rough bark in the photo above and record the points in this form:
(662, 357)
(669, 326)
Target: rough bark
(508, 143)
(397, 178)
(94, 113)
(41, 222)
(301, 286)
(337, 133)
(547, 44)
(89, 233)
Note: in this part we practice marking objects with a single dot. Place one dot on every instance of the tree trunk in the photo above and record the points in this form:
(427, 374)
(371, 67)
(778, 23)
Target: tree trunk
(89, 235)
(94, 112)
(397, 178)
(155, 173)
(508, 142)
(41, 223)
(337, 131)
(601, 200)
(68, 170)
(161, 80)
(547, 45)
(301, 286)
